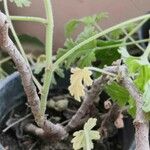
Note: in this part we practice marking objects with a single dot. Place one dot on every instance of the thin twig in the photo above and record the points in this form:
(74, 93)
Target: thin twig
(16, 122)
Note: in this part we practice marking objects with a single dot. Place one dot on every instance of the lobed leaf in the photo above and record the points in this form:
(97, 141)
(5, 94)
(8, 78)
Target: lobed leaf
(83, 138)
(79, 79)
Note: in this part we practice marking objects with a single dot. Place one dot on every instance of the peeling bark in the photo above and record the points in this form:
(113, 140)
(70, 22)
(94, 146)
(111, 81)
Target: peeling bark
(33, 99)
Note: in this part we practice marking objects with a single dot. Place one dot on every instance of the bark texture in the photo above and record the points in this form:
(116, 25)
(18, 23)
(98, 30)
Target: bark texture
(140, 122)
(88, 101)
(33, 99)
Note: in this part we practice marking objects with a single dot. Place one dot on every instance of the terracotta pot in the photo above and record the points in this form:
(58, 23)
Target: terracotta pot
(64, 10)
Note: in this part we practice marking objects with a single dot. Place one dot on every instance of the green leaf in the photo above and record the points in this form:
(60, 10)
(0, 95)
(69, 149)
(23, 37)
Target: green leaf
(87, 59)
(132, 107)
(21, 3)
(91, 20)
(83, 138)
(24, 38)
(78, 57)
(87, 21)
(132, 64)
(106, 56)
(117, 93)
(71, 26)
(31, 44)
(40, 64)
(143, 76)
(146, 97)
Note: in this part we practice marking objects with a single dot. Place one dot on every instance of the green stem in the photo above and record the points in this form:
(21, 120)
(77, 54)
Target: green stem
(132, 39)
(5, 60)
(101, 71)
(61, 59)
(30, 19)
(121, 45)
(19, 43)
(145, 56)
(135, 29)
(49, 43)
(100, 30)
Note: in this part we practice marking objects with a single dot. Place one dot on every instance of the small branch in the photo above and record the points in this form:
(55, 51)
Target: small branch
(88, 101)
(100, 30)
(71, 51)
(132, 39)
(107, 125)
(48, 50)
(19, 43)
(26, 76)
(30, 19)
(141, 124)
(16, 122)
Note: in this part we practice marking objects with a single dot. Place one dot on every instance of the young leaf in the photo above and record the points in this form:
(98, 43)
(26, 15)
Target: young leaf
(87, 59)
(79, 79)
(71, 26)
(117, 93)
(87, 21)
(83, 138)
(91, 20)
(78, 57)
(21, 3)
(108, 55)
(146, 98)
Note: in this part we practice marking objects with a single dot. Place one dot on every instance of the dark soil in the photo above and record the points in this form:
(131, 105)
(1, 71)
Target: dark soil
(16, 139)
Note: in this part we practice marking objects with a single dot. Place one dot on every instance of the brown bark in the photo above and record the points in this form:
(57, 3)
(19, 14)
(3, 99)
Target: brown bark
(26, 76)
(88, 101)
(140, 123)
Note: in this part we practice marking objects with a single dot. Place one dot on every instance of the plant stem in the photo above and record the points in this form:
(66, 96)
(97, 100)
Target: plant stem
(61, 59)
(122, 44)
(55, 131)
(132, 39)
(146, 53)
(49, 44)
(100, 29)
(30, 19)
(19, 43)
(101, 71)
(135, 29)
(5, 60)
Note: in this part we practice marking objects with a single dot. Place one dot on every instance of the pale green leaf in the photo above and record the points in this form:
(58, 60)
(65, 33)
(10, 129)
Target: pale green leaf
(83, 138)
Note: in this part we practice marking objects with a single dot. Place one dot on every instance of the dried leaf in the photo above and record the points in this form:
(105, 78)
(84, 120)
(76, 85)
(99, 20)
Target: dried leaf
(79, 79)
